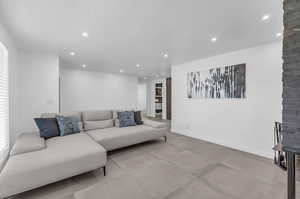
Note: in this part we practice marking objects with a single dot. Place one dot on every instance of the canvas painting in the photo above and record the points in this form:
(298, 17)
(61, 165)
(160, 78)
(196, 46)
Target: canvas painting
(218, 83)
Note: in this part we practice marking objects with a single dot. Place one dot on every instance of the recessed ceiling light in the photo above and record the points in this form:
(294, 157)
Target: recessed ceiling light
(83, 65)
(265, 17)
(72, 53)
(121, 71)
(145, 77)
(138, 65)
(85, 34)
(278, 34)
(166, 55)
(214, 39)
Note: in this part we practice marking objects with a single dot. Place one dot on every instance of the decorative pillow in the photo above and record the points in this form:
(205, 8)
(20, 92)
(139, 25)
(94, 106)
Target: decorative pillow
(138, 118)
(48, 127)
(68, 125)
(126, 118)
(73, 114)
(115, 112)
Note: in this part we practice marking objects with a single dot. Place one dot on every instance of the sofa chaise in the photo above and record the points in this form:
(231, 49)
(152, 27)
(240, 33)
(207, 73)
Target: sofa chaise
(35, 162)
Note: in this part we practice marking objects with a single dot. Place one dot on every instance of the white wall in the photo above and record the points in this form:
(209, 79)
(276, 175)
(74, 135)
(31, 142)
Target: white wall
(33, 85)
(150, 98)
(142, 96)
(39, 87)
(88, 90)
(245, 124)
(8, 42)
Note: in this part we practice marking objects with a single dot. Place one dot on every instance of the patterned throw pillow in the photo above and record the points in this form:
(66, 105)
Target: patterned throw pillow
(68, 125)
(48, 127)
(126, 118)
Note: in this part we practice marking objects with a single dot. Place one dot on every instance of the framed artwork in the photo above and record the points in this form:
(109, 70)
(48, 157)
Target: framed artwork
(218, 83)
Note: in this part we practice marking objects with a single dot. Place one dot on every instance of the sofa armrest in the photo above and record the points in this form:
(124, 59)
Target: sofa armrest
(27, 142)
(155, 124)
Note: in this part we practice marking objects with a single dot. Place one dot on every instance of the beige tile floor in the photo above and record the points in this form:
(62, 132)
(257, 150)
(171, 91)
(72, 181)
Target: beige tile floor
(183, 168)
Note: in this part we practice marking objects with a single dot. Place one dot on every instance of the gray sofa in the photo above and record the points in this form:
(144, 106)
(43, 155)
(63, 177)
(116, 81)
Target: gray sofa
(102, 127)
(36, 162)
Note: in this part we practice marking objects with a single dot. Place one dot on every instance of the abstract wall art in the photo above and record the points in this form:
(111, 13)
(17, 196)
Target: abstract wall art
(218, 83)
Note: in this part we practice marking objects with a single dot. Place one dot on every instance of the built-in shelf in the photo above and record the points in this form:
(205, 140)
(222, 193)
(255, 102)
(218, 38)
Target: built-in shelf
(158, 100)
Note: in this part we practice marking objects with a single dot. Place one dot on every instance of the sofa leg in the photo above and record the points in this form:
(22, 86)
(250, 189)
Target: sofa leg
(104, 170)
(165, 139)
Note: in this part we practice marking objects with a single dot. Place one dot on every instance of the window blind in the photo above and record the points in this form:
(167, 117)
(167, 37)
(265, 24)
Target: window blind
(4, 100)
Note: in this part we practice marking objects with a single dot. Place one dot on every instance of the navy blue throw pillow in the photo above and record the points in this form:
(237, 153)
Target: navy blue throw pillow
(126, 118)
(138, 118)
(48, 127)
(68, 125)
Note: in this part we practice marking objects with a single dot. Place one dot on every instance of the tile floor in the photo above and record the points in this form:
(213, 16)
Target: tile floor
(183, 168)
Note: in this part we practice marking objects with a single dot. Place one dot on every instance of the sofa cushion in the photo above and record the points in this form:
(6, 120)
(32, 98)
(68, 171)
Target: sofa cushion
(96, 115)
(27, 142)
(117, 123)
(113, 138)
(91, 125)
(63, 157)
(115, 113)
(67, 125)
(48, 127)
(126, 119)
(155, 124)
(48, 115)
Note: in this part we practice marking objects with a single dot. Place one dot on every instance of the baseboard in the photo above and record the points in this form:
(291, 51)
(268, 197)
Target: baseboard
(233, 146)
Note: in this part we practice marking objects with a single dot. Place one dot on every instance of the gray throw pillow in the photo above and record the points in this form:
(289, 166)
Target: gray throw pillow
(126, 118)
(68, 125)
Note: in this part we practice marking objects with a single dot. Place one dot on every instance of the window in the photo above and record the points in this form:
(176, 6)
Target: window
(4, 104)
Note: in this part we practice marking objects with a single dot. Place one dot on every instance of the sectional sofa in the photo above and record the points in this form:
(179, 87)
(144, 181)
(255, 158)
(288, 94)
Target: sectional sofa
(36, 162)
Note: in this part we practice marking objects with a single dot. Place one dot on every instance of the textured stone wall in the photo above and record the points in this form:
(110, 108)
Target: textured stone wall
(291, 74)
(291, 77)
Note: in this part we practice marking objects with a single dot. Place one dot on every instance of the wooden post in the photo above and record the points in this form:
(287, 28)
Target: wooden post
(291, 175)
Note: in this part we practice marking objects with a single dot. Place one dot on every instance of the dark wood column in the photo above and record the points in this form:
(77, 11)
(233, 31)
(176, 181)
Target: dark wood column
(169, 98)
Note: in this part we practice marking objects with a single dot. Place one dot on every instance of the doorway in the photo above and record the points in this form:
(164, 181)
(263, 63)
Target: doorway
(169, 98)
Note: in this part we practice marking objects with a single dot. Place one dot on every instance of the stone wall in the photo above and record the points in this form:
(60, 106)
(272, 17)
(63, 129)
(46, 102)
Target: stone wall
(291, 76)
(291, 73)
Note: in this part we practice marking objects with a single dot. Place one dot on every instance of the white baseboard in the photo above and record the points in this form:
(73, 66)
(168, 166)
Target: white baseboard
(269, 155)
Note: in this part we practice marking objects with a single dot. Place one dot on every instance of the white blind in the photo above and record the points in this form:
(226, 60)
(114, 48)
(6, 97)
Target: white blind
(4, 101)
